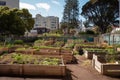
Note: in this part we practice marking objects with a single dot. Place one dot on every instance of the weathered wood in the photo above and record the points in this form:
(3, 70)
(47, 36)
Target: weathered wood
(11, 69)
(89, 55)
(34, 69)
(111, 69)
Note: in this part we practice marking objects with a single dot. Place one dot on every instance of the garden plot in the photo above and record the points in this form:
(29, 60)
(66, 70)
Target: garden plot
(67, 54)
(16, 64)
(107, 65)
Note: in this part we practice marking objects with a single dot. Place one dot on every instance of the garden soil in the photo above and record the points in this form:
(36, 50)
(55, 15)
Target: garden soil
(83, 70)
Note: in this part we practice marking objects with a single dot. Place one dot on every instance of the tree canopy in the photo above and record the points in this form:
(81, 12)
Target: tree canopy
(101, 13)
(15, 21)
(71, 13)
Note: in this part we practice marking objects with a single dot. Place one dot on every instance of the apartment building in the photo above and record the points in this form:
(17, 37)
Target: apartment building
(49, 22)
(10, 3)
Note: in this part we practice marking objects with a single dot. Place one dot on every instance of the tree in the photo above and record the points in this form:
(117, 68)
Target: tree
(71, 14)
(27, 18)
(86, 23)
(15, 21)
(101, 13)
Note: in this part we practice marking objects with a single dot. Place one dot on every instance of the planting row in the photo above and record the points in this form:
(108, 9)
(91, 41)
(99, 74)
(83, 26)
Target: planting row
(16, 64)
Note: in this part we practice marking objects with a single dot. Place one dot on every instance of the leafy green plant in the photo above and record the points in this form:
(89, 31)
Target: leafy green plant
(52, 34)
(19, 49)
(30, 59)
(75, 52)
(69, 45)
(38, 41)
(9, 45)
(17, 58)
(58, 43)
(78, 41)
(18, 42)
(50, 61)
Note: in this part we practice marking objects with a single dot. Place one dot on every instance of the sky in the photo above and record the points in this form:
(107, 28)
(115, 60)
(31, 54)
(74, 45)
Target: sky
(47, 7)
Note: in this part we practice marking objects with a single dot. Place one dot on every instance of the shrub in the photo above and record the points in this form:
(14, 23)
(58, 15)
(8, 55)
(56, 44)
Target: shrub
(18, 42)
(90, 32)
(38, 42)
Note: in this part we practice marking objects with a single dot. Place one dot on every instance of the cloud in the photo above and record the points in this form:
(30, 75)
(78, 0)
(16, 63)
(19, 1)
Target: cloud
(43, 5)
(55, 2)
(27, 6)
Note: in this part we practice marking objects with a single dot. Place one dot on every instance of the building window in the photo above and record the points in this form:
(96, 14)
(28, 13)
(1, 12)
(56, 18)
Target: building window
(2, 3)
(52, 24)
(53, 27)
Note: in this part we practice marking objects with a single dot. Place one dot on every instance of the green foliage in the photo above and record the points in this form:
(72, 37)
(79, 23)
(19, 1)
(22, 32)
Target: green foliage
(69, 45)
(101, 13)
(27, 59)
(52, 34)
(50, 61)
(19, 49)
(37, 48)
(18, 42)
(58, 31)
(110, 50)
(90, 32)
(14, 21)
(78, 41)
(112, 58)
(58, 44)
(80, 33)
(40, 47)
(39, 42)
(9, 45)
(117, 45)
(71, 14)
(75, 52)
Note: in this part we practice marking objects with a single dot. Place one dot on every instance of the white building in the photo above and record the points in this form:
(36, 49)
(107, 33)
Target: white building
(10, 3)
(49, 22)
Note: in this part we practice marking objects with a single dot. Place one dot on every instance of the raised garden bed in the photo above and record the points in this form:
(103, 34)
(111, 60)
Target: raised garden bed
(25, 50)
(66, 54)
(3, 49)
(31, 65)
(89, 53)
(106, 68)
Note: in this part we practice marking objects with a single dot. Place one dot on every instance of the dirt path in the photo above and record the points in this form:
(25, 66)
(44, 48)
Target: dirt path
(16, 78)
(84, 71)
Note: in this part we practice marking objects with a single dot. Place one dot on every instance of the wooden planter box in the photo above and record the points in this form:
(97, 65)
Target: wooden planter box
(33, 70)
(66, 54)
(10, 69)
(110, 69)
(26, 51)
(89, 55)
(43, 70)
(3, 50)
(12, 49)
(47, 51)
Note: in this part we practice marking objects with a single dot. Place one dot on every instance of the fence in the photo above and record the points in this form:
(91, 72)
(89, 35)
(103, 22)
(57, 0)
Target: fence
(89, 38)
(112, 38)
